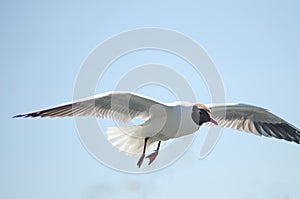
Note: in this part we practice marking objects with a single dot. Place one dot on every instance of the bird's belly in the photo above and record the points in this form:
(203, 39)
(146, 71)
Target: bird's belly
(174, 128)
(178, 131)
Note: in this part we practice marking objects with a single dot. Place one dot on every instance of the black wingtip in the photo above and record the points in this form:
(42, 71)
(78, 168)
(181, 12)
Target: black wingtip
(16, 116)
(33, 114)
(26, 115)
(22, 115)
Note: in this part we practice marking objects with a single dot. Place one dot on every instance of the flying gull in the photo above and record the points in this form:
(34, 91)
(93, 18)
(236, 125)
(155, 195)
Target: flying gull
(164, 121)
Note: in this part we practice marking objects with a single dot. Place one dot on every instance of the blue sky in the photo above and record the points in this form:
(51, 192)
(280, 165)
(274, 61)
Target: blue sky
(254, 45)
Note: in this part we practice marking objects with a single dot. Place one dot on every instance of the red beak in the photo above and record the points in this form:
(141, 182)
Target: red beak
(213, 121)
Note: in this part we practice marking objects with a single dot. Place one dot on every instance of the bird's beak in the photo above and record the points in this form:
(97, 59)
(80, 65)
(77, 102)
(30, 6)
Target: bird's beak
(213, 121)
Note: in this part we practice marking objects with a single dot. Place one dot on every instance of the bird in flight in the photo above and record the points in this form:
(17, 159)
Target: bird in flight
(164, 121)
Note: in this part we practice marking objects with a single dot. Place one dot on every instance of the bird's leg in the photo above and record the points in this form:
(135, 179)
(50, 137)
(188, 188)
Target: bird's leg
(153, 155)
(139, 163)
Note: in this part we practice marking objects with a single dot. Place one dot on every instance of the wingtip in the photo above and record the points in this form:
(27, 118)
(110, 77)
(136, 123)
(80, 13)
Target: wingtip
(21, 115)
(16, 116)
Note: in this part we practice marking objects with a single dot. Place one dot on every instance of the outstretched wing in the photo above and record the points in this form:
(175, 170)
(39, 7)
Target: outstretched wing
(120, 106)
(254, 120)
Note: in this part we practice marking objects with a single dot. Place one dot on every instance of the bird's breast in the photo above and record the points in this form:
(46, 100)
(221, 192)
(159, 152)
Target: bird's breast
(178, 122)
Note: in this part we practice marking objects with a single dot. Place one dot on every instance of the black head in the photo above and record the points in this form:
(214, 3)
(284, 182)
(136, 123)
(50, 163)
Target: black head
(202, 114)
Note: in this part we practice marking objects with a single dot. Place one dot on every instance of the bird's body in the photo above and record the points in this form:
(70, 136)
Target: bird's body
(164, 121)
(174, 122)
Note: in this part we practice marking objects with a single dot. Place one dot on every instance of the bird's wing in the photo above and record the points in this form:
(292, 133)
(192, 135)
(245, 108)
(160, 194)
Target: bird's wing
(254, 120)
(120, 106)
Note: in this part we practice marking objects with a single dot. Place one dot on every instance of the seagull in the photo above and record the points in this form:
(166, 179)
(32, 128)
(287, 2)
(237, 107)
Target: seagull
(164, 121)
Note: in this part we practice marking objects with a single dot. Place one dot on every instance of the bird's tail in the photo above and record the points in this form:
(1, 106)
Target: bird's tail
(126, 139)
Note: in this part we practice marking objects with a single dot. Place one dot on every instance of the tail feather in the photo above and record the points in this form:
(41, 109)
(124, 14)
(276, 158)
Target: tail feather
(126, 139)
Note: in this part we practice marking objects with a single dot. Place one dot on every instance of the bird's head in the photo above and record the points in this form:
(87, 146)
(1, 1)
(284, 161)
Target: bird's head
(202, 114)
